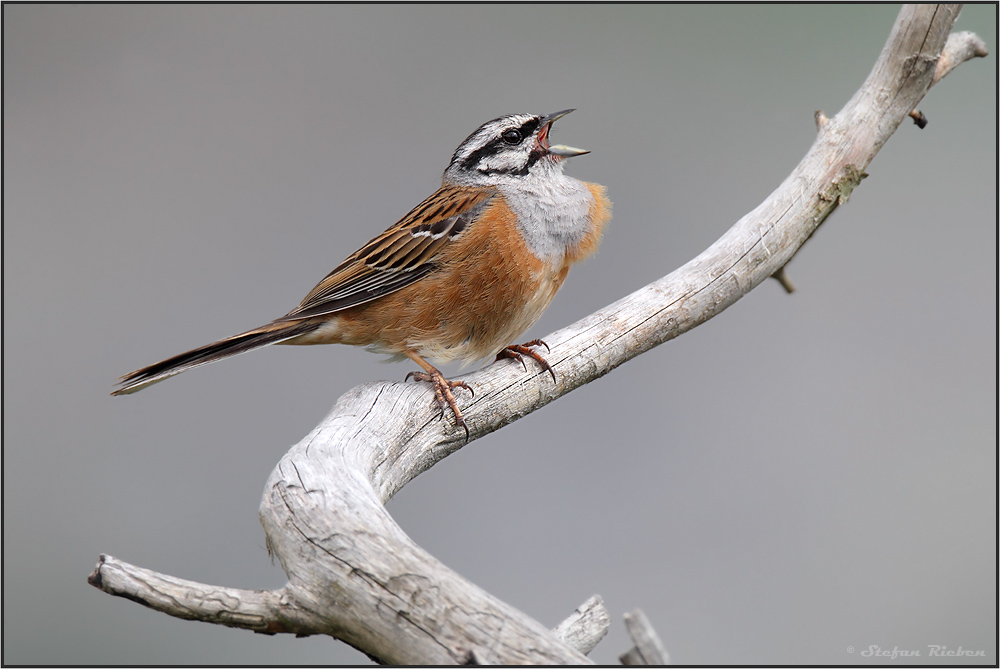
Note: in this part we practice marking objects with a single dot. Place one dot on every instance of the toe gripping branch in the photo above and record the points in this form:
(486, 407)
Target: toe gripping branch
(518, 351)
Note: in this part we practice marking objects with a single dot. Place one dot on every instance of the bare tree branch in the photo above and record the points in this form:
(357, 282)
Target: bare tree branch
(257, 610)
(355, 575)
(959, 48)
(586, 626)
(270, 612)
(648, 648)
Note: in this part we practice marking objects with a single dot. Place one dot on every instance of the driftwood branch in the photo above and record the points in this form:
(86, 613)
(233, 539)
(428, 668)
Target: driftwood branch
(648, 648)
(271, 612)
(355, 575)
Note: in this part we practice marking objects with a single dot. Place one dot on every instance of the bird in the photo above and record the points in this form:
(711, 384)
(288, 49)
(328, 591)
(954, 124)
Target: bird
(459, 277)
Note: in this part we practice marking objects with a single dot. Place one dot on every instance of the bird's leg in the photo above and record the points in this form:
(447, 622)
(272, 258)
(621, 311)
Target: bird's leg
(442, 388)
(518, 351)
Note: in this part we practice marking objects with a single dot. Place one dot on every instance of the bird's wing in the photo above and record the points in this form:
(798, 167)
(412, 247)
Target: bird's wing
(399, 256)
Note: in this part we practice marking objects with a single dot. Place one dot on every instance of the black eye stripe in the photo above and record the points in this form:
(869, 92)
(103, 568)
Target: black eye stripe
(497, 145)
(528, 127)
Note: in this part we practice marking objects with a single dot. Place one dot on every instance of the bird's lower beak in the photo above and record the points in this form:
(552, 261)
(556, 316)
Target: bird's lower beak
(566, 151)
(558, 149)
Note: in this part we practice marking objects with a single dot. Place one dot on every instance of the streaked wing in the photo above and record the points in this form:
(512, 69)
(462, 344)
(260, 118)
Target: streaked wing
(399, 256)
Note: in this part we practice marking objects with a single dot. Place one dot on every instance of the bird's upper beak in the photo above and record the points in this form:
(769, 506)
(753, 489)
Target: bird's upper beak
(557, 149)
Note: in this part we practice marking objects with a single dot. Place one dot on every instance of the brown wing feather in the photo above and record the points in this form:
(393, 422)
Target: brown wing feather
(399, 256)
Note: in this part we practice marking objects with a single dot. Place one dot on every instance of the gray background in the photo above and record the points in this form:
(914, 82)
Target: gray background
(802, 475)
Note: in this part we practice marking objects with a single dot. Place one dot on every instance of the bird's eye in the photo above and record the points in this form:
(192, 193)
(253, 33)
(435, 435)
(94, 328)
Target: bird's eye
(512, 136)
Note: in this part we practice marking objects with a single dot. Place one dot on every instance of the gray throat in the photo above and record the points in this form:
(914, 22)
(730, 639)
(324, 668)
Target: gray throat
(553, 213)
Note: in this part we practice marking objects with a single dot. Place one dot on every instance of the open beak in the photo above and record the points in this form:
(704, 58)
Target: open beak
(557, 149)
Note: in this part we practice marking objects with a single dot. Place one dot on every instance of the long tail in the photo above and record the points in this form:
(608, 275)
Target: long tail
(241, 343)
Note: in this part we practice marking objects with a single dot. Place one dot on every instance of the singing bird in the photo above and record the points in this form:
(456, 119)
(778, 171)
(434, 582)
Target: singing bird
(462, 275)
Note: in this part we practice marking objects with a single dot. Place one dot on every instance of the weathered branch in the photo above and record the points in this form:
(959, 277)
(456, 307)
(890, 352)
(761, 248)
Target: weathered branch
(270, 612)
(248, 609)
(648, 649)
(959, 48)
(355, 575)
(586, 626)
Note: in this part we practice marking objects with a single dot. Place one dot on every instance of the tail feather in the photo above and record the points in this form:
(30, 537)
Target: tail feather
(203, 355)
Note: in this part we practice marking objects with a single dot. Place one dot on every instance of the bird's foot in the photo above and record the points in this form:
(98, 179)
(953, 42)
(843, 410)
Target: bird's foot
(443, 393)
(518, 351)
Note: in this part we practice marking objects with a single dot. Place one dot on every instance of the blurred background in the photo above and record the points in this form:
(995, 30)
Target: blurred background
(798, 480)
